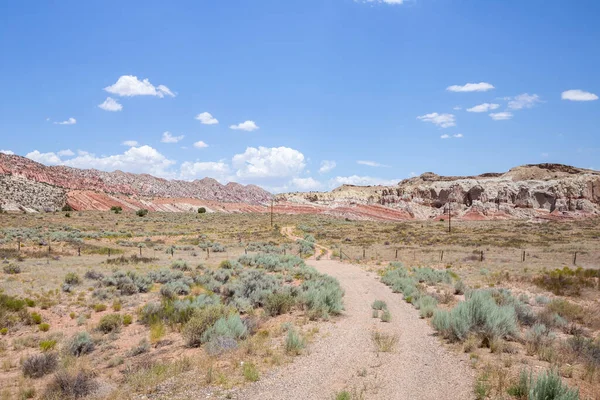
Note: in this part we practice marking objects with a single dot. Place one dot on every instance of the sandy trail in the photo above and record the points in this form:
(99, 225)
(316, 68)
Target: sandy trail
(345, 358)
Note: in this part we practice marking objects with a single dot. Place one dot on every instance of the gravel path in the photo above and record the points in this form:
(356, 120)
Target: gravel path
(344, 358)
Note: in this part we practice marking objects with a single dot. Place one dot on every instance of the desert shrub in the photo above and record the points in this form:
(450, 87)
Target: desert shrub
(201, 210)
(279, 303)
(250, 372)
(431, 276)
(47, 345)
(386, 316)
(94, 275)
(220, 345)
(127, 319)
(180, 265)
(12, 269)
(116, 209)
(254, 286)
(99, 307)
(542, 300)
(142, 347)
(479, 314)
(548, 386)
(72, 279)
(110, 323)
(379, 305)
(81, 343)
(537, 337)
(67, 207)
(294, 343)
(218, 248)
(567, 281)
(141, 212)
(71, 385)
(384, 342)
(525, 314)
(44, 327)
(322, 297)
(201, 321)
(426, 306)
(36, 318)
(39, 365)
(175, 288)
(459, 287)
(586, 350)
(307, 245)
(566, 309)
(230, 326)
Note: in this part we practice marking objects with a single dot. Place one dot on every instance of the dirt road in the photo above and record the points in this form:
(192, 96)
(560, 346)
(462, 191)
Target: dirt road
(345, 358)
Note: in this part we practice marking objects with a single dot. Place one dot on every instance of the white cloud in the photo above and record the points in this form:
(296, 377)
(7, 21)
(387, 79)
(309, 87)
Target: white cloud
(263, 162)
(578, 95)
(129, 85)
(457, 108)
(194, 170)
(206, 118)
(362, 181)
(67, 153)
(247, 126)
(458, 135)
(441, 120)
(524, 100)
(445, 136)
(382, 1)
(143, 159)
(200, 145)
(110, 104)
(501, 116)
(471, 87)
(130, 143)
(7, 152)
(485, 107)
(70, 121)
(370, 163)
(326, 166)
(305, 184)
(44, 158)
(167, 137)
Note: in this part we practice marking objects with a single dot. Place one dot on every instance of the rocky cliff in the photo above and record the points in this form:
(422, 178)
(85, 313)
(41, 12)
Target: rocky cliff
(30, 186)
(530, 191)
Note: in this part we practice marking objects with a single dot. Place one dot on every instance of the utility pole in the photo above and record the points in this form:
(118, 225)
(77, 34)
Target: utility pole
(271, 213)
(449, 217)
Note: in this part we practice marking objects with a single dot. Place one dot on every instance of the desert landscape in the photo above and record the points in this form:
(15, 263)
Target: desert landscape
(430, 289)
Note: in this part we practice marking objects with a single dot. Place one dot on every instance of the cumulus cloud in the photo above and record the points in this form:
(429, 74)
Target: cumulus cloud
(70, 121)
(441, 120)
(44, 158)
(501, 116)
(264, 162)
(130, 143)
(167, 137)
(578, 95)
(67, 153)
(195, 170)
(485, 107)
(305, 184)
(200, 145)
(471, 87)
(524, 100)
(362, 181)
(247, 126)
(206, 118)
(7, 152)
(326, 166)
(110, 104)
(129, 85)
(370, 163)
(456, 136)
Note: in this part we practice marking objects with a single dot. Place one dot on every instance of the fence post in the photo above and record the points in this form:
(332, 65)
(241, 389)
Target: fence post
(341, 253)
(208, 252)
(481, 256)
(363, 253)
(442, 256)
(246, 251)
(140, 251)
(109, 252)
(79, 251)
(575, 258)
(19, 246)
(396, 253)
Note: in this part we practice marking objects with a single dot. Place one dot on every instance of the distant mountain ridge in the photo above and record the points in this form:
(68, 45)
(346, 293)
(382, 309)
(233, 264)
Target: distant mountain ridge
(31, 185)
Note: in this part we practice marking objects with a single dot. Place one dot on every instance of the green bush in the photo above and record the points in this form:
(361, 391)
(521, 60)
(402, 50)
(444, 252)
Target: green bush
(386, 316)
(201, 210)
(47, 345)
(36, 318)
(127, 319)
(12, 269)
(230, 326)
(142, 212)
(379, 305)
(479, 314)
(548, 386)
(426, 306)
(44, 327)
(72, 278)
(71, 385)
(251, 372)
(201, 321)
(294, 343)
(110, 323)
(116, 209)
(279, 303)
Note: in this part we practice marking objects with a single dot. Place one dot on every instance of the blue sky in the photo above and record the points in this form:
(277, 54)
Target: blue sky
(322, 92)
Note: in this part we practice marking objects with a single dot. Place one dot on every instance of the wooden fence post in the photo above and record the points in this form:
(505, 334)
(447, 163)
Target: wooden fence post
(363, 253)
(79, 251)
(442, 256)
(140, 251)
(109, 252)
(481, 256)
(396, 253)
(575, 258)
(19, 246)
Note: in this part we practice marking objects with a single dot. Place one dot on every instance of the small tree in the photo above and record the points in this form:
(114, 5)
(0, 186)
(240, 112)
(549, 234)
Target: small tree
(116, 209)
(201, 210)
(67, 207)
(142, 212)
